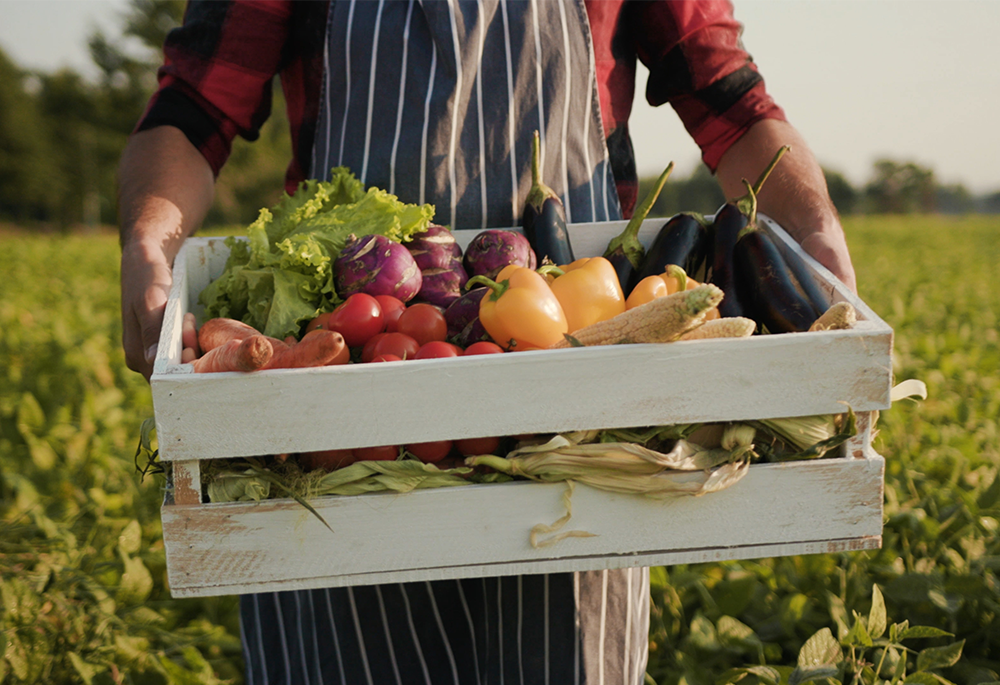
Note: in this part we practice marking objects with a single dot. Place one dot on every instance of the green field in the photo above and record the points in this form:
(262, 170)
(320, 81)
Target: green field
(82, 573)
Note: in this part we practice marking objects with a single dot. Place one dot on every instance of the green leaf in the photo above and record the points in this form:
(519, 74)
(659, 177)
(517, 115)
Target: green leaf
(84, 669)
(735, 634)
(130, 541)
(940, 657)
(876, 616)
(822, 649)
(136, 582)
(30, 416)
(764, 674)
(658, 577)
(703, 633)
(921, 679)
(858, 635)
(922, 631)
(812, 673)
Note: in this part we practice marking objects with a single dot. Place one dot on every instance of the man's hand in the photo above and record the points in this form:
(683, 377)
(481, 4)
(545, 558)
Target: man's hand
(795, 194)
(165, 190)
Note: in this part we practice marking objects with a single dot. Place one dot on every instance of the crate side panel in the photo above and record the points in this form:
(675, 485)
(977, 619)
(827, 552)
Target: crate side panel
(273, 412)
(478, 525)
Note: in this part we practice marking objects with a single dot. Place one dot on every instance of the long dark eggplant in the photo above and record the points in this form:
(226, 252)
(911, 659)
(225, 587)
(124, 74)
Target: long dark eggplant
(804, 279)
(773, 296)
(624, 251)
(544, 218)
(731, 219)
(684, 240)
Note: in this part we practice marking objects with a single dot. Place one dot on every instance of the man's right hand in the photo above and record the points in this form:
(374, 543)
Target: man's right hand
(165, 191)
(145, 281)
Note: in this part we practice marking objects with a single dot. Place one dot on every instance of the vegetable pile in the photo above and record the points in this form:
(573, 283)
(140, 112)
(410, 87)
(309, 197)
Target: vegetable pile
(338, 275)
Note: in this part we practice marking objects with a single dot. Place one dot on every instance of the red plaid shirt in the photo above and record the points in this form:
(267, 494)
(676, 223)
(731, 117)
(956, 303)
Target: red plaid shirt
(218, 69)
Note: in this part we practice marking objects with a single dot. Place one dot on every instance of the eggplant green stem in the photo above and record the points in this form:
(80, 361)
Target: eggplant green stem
(498, 288)
(752, 195)
(749, 208)
(628, 241)
(536, 160)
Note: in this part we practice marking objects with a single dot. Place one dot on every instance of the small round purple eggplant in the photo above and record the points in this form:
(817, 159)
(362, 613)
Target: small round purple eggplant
(442, 286)
(376, 265)
(435, 248)
(462, 315)
(493, 249)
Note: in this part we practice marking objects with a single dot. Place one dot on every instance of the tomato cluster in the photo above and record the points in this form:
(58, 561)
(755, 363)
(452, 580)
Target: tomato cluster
(383, 328)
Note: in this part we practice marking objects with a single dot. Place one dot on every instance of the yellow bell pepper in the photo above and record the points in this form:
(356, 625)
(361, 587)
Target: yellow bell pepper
(673, 280)
(521, 313)
(589, 291)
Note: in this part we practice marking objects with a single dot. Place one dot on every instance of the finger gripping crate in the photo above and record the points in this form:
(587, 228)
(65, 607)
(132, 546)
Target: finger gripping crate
(826, 505)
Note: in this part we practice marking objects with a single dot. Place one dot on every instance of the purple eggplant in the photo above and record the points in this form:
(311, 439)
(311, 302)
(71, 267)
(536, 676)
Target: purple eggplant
(462, 315)
(493, 249)
(376, 265)
(442, 286)
(435, 248)
(624, 251)
(544, 218)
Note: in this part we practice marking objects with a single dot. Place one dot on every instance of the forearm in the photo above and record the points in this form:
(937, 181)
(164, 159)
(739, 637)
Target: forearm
(165, 191)
(795, 194)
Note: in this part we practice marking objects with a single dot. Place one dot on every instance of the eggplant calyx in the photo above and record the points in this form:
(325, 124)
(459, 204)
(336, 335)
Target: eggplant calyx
(498, 289)
(539, 192)
(627, 242)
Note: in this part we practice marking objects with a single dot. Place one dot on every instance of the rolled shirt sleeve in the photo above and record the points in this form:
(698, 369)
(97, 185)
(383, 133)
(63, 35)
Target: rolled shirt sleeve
(217, 75)
(697, 64)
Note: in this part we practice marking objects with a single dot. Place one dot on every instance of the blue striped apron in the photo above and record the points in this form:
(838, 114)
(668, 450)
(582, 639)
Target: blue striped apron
(438, 102)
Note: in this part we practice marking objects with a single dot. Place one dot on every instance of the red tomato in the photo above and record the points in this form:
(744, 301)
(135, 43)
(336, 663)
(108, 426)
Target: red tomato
(483, 347)
(358, 319)
(326, 459)
(436, 349)
(471, 447)
(378, 453)
(318, 322)
(392, 307)
(430, 452)
(423, 322)
(386, 358)
(399, 344)
(367, 353)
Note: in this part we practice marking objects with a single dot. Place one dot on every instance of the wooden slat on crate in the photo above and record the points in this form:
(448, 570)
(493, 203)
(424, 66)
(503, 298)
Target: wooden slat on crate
(484, 529)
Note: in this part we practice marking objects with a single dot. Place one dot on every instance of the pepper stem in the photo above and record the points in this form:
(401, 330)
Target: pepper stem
(547, 269)
(680, 274)
(498, 288)
(627, 242)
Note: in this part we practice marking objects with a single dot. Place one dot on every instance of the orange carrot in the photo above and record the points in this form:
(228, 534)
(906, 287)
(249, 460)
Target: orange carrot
(218, 331)
(317, 348)
(236, 355)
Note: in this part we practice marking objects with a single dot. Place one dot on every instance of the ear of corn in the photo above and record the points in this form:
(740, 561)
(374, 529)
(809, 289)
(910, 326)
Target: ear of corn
(811, 436)
(726, 327)
(660, 320)
(840, 316)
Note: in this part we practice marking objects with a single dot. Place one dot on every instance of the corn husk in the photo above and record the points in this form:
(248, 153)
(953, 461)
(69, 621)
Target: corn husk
(810, 437)
(687, 469)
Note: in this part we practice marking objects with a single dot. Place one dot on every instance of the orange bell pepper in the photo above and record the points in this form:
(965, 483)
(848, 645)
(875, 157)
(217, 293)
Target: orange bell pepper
(521, 313)
(589, 291)
(673, 280)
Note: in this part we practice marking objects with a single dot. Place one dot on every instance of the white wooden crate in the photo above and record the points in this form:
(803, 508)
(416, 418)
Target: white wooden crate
(777, 509)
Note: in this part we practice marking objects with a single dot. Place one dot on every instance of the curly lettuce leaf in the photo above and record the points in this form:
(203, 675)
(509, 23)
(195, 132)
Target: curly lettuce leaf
(281, 275)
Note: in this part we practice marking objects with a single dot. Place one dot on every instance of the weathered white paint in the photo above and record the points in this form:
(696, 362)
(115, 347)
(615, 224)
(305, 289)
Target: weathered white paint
(777, 509)
(792, 508)
(272, 412)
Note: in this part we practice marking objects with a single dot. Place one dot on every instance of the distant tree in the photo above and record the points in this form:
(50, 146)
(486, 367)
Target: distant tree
(900, 188)
(28, 181)
(954, 199)
(843, 194)
(991, 203)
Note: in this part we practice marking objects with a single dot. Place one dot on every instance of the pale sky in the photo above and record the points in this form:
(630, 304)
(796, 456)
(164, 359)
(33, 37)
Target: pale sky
(913, 80)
